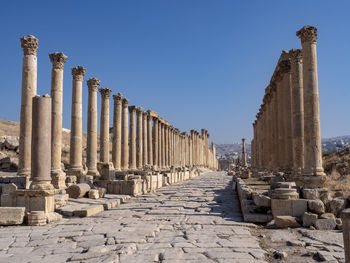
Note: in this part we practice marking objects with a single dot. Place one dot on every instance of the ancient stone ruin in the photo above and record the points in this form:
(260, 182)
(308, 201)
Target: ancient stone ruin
(147, 152)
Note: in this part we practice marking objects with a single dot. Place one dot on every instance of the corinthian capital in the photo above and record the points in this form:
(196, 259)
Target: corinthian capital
(118, 98)
(93, 84)
(139, 110)
(105, 92)
(296, 55)
(78, 73)
(58, 59)
(125, 102)
(29, 45)
(307, 34)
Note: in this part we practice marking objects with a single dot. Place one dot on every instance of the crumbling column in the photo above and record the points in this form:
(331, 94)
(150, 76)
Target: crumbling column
(312, 131)
(29, 85)
(125, 136)
(144, 139)
(41, 144)
(57, 175)
(298, 110)
(139, 139)
(244, 155)
(117, 132)
(132, 138)
(91, 144)
(76, 134)
(155, 141)
(104, 125)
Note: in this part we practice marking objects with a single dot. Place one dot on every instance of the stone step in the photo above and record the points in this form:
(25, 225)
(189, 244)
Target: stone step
(257, 218)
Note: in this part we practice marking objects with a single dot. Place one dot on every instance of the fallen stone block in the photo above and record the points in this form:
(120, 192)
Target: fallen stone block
(94, 194)
(325, 224)
(261, 200)
(316, 206)
(11, 215)
(337, 205)
(309, 219)
(286, 221)
(78, 190)
(90, 211)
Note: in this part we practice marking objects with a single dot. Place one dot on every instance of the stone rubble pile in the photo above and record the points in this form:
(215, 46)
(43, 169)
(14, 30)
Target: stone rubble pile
(147, 151)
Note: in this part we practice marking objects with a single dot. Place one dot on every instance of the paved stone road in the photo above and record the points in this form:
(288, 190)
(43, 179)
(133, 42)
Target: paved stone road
(195, 221)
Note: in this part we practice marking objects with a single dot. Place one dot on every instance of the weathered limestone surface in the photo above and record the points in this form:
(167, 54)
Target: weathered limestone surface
(117, 131)
(76, 166)
(168, 226)
(125, 135)
(29, 86)
(104, 126)
(91, 145)
(58, 176)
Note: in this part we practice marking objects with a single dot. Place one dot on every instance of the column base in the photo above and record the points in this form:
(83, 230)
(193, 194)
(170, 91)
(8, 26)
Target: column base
(36, 200)
(78, 172)
(309, 181)
(58, 179)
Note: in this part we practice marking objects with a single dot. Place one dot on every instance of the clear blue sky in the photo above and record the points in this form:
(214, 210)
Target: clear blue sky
(198, 63)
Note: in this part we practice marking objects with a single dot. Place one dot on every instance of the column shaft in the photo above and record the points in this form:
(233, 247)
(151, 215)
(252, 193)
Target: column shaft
(117, 132)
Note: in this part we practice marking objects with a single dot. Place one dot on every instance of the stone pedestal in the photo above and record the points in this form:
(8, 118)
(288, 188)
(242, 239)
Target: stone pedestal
(91, 145)
(29, 86)
(58, 176)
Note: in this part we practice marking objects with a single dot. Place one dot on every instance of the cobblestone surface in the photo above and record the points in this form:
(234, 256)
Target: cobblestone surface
(195, 221)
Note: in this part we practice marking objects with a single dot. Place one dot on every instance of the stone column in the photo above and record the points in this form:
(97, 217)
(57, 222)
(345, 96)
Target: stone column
(117, 132)
(345, 218)
(244, 155)
(139, 139)
(91, 144)
(312, 132)
(155, 142)
(41, 144)
(29, 85)
(132, 138)
(163, 146)
(160, 139)
(166, 146)
(286, 81)
(149, 140)
(297, 110)
(281, 116)
(144, 139)
(104, 125)
(57, 175)
(125, 136)
(76, 133)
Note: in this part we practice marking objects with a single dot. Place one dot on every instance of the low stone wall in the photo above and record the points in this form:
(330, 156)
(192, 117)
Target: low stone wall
(265, 197)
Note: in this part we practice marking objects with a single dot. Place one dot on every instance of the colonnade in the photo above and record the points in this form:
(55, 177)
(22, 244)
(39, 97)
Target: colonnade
(141, 140)
(287, 133)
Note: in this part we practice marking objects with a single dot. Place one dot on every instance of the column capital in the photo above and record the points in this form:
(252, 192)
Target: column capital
(78, 73)
(307, 34)
(296, 55)
(118, 98)
(153, 114)
(132, 109)
(105, 92)
(93, 84)
(125, 102)
(139, 110)
(58, 59)
(30, 45)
